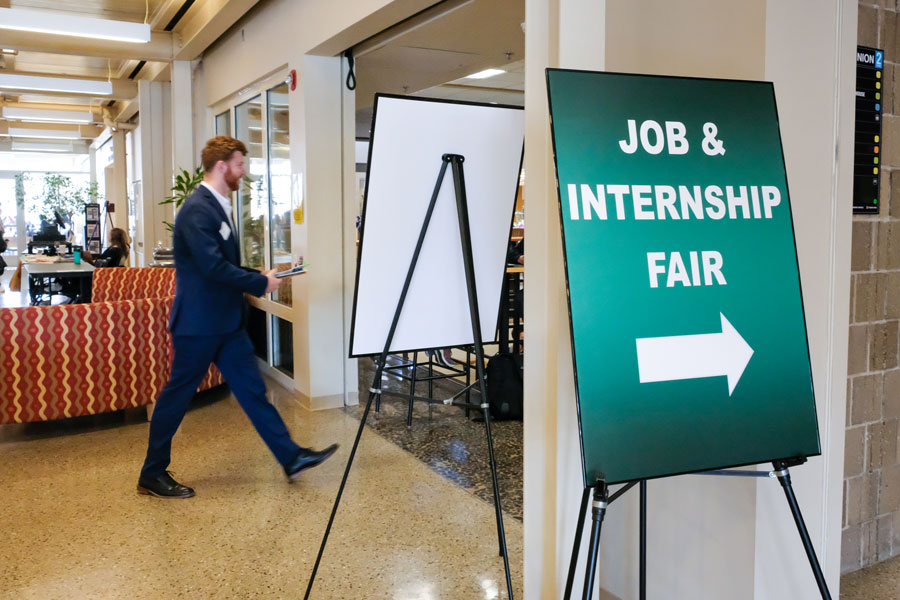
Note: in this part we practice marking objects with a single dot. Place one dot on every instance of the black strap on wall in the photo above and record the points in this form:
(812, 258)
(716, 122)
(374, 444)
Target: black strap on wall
(351, 76)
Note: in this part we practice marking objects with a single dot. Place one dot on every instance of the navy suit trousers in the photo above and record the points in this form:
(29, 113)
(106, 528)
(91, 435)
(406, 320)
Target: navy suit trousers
(233, 354)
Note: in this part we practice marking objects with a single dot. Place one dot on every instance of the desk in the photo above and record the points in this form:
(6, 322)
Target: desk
(39, 244)
(41, 276)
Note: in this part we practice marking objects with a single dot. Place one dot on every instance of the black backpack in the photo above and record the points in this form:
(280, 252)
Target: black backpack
(504, 387)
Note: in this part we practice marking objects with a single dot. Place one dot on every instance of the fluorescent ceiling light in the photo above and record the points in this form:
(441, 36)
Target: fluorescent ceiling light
(55, 84)
(57, 134)
(64, 24)
(47, 116)
(38, 147)
(485, 74)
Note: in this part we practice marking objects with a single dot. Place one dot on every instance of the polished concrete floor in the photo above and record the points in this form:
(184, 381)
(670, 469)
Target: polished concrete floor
(73, 526)
(415, 523)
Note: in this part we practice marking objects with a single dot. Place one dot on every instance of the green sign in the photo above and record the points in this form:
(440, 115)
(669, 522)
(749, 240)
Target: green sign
(687, 320)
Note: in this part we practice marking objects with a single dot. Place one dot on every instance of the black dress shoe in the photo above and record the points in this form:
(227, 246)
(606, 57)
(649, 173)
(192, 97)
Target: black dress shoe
(163, 486)
(307, 458)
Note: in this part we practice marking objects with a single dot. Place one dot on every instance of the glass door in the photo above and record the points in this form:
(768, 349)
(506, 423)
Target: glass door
(264, 215)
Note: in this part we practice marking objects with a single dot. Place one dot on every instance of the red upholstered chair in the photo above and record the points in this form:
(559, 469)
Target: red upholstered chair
(79, 359)
(129, 284)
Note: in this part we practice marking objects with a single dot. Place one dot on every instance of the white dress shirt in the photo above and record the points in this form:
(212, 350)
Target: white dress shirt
(225, 201)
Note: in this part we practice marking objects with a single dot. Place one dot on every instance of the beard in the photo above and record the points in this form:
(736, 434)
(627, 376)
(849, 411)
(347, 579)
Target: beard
(233, 181)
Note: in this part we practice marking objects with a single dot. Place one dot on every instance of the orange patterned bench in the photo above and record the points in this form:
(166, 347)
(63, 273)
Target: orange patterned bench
(80, 359)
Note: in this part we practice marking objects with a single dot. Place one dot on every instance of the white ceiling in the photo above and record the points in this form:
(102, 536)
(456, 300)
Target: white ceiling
(200, 23)
(432, 60)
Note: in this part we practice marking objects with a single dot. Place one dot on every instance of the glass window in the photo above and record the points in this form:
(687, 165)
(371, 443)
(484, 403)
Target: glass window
(252, 203)
(279, 187)
(282, 345)
(223, 124)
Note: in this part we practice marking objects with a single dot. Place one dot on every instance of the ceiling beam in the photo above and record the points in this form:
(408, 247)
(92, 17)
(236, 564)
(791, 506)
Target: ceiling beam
(156, 71)
(481, 88)
(204, 23)
(164, 13)
(159, 47)
(127, 110)
(122, 89)
(84, 131)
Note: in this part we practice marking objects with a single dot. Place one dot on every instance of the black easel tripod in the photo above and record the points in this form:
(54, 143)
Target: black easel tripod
(456, 162)
(602, 499)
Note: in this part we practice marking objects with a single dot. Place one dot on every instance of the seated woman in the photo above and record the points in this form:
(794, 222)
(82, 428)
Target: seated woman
(115, 254)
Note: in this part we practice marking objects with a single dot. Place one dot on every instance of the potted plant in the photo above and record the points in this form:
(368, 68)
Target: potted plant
(185, 184)
(60, 197)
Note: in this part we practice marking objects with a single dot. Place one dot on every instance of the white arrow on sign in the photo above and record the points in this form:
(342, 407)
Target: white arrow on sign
(694, 356)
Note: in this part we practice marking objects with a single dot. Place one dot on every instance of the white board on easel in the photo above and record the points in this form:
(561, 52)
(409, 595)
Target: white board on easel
(409, 137)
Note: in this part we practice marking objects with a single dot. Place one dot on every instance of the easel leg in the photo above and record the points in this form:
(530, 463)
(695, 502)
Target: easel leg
(570, 579)
(378, 399)
(599, 510)
(468, 379)
(784, 476)
(431, 376)
(642, 567)
(412, 388)
(462, 212)
(379, 369)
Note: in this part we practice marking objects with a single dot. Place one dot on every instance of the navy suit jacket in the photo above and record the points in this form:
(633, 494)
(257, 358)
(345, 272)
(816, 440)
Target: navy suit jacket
(209, 281)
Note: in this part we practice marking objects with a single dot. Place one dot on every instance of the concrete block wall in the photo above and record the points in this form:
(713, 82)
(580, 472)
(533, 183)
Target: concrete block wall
(871, 525)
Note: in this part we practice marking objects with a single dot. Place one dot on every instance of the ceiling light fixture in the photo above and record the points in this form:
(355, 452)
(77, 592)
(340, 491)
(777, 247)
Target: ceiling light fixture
(65, 24)
(37, 147)
(41, 115)
(10, 51)
(485, 74)
(55, 84)
(56, 134)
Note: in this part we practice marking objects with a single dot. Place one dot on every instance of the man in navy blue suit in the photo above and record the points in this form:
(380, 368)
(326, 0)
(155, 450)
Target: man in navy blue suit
(207, 325)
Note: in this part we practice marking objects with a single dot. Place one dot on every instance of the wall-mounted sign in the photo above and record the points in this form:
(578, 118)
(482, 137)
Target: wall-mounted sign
(687, 321)
(867, 156)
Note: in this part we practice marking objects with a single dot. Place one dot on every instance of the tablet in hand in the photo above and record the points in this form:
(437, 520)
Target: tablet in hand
(291, 272)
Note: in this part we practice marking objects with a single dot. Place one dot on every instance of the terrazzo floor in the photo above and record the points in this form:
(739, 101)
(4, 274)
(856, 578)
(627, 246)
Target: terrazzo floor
(73, 526)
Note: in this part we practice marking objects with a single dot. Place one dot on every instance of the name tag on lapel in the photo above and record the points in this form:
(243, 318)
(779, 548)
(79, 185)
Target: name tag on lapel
(225, 231)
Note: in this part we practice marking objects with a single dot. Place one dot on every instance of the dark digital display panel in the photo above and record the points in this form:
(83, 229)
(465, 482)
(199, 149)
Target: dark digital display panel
(867, 152)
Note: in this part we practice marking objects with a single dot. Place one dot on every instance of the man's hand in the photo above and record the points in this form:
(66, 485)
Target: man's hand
(274, 282)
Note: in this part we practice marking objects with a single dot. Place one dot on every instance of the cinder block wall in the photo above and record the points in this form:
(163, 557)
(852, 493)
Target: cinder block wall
(871, 527)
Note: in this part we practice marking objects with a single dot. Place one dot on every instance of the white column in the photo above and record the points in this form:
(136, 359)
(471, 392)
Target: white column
(545, 327)
(818, 152)
(119, 186)
(20, 218)
(155, 170)
(182, 117)
(349, 231)
(92, 161)
(324, 376)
